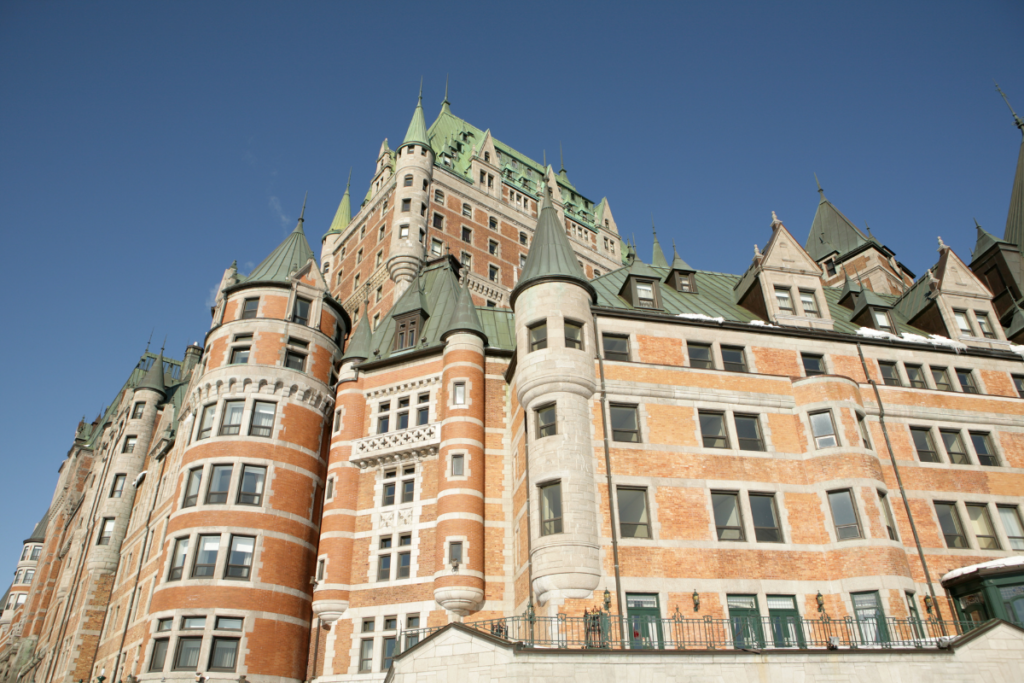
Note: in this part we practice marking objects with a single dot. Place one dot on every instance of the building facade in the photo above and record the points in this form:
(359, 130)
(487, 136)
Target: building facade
(483, 404)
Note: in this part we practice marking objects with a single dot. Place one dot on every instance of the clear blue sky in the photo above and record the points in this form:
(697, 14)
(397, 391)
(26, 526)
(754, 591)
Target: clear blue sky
(143, 146)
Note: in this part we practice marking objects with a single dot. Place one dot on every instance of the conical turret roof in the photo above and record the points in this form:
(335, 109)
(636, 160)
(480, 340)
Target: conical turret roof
(289, 256)
(417, 133)
(831, 231)
(658, 256)
(1015, 217)
(39, 532)
(344, 214)
(154, 378)
(677, 261)
(464, 317)
(550, 257)
(359, 344)
(986, 240)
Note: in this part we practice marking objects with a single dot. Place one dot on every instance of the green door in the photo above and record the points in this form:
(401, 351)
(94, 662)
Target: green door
(871, 625)
(644, 621)
(787, 631)
(745, 621)
(1013, 603)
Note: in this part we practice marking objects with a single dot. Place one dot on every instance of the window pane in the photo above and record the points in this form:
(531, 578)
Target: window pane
(551, 508)
(219, 483)
(955, 448)
(573, 335)
(766, 525)
(923, 443)
(882, 320)
(941, 378)
(949, 520)
(966, 379)
(700, 356)
(156, 662)
(232, 418)
(809, 303)
(890, 525)
(383, 567)
(784, 299)
(983, 447)
(546, 421)
(615, 348)
(844, 515)
(229, 624)
(188, 653)
(240, 556)
(633, 513)
(458, 465)
(1012, 526)
(460, 394)
(251, 491)
(732, 359)
(301, 311)
(962, 323)
(712, 430)
(813, 365)
(262, 419)
(193, 623)
(624, 423)
(890, 375)
(916, 375)
(222, 654)
(206, 556)
(748, 433)
(981, 524)
(823, 429)
(178, 558)
(727, 516)
(539, 337)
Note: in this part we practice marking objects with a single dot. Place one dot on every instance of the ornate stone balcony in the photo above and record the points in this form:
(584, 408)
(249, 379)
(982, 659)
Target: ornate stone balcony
(414, 443)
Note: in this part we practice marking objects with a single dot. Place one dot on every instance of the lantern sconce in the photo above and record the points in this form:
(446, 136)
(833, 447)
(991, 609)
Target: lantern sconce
(607, 600)
(928, 603)
(696, 601)
(821, 602)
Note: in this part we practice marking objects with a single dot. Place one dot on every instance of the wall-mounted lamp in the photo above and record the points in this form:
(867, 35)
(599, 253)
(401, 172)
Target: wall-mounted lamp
(928, 603)
(821, 602)
(607, 600)
(529, 612)
(696, 601)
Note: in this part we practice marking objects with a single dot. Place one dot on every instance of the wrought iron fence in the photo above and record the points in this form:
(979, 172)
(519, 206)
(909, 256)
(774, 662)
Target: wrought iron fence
(609, 631)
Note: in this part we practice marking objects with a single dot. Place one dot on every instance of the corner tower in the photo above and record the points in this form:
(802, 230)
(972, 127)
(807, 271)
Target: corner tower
(414, 166)
(555, 384)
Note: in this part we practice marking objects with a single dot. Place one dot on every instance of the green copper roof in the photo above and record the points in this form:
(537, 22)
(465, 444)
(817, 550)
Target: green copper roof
(289, 256)
(986, 241)
(832, 231)
(658, 256)
(677, 261)
(359, 343)
(154, 378)
(412, 299)
(1015, 217)
(343, 216)
(849, 286)
(550, 256)
(417, 133)
(464, 317)
(39, 532)
(499, 324)
(1016, 325)
(866, 298)
(638, 267)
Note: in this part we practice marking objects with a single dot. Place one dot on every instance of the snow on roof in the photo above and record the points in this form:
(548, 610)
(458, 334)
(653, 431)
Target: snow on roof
(993, 564)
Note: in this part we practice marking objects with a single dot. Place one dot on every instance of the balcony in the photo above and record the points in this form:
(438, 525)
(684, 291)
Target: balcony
(414, 443)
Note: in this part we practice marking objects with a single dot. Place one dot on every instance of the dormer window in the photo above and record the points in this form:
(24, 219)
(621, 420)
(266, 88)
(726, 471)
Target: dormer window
(301, 313)
(882, 320)
(809, 303)
(830, 267)
(684, 283)
(406, 328)
(963, 324)
(985, 325)
(785, 300)
(645, 294)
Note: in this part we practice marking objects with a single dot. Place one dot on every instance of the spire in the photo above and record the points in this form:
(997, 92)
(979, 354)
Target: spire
(658, 257)
(550, 258)
(154, 378)
(985, 240)
(446, 105)
(289, 256)
(464, 317)
(344, 214)
(417, 133)
(831, 231)
(302, 214)
(677, 261)
(1015, 216)
(561, 158)
(821, 192)
(359, 342)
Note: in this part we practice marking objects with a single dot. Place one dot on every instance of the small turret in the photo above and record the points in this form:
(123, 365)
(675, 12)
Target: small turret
(154, 378)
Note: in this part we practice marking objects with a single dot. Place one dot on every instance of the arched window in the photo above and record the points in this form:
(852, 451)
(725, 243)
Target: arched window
(408, 181)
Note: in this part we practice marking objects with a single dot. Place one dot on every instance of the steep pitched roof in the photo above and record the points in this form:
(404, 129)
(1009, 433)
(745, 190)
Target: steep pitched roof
(1015, 217)
(359, 344)
(831, 231)
(658, 256)
(39, 532)
(412, 299)
(154, 378)
(289, 256)
(677, 261)
(464, 317)
(343, 216)
(986, 241)
(550, 257)
(1016, 325)
(417, 133)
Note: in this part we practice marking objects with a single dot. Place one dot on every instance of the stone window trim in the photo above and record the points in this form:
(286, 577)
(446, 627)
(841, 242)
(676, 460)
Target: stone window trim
(220, 566)
(213, 629)
(465, 563)
(717, 361)
(450, 462)
(615, 336)
(732, 441)
(848, 526)
(467, 393)
(813, 359)
(234, 491)
(217, 415)
(315, 299)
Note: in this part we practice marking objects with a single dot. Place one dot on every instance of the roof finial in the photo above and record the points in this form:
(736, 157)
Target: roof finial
(1016, 119)
(149, 340)
(349, 183)
(421, 90)
(977, 224)
(545, 158)
(445, 101)
(163, 345)
(775, 221)
(820, 191)
(653, 229)
(942, 245)
(757, 252)
(561, 157)
(303, 212)
(868, 228)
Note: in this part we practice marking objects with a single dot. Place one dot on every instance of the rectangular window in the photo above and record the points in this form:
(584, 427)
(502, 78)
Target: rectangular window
(262, 419)
(251, 490)
(438, 223)
(492, 247)
(249, 308)
(388, 653)
(551, 508)
(949, 521)
(615, 347)
(389, 494)
(954, 447)
(982, 443)
(369, 625)
(882, 321)
(206, 556)
(466, 259)
(129, 444)
(813, 365)
(193, 623)
(824, 429)
(633, 521)
(700, 356)
(106, 531)
(384, 417)
(455, 552)
(546, 421)
(159, 656)
(301, 313)
(732, 359)
(492, 273)
(467, 210)
(748, 433)
(573, 335)
(727, 516)
(870, 617)
(766, 518)
(890, 524)
(966, 378)
(538, 336)
(384, 567)
(862, 425)
(645, 295)
(683, 282)
(712, 430)
(403, 414)
(625, 423)
(810, 304)
(890, 375)
(231, 422)
(1010, 517)
(941, 378)
(423, 410)
(404, 565)
(522, 238)
(985, 324)
(295, 361)
(223, 654)
(467, 235)
(981, 525)
(785, 300)
(922, 437)
(178, 559)
(137, 410)
(1018, 384)
(220, 482)
(458, 465)
(844, 514)
(366, 655)
(239, 355)
(36, 552)
(459, 394)
(436, 247)
(406, 205)
(962, 323)
(117, 488)
(916, 376)
(408, 490)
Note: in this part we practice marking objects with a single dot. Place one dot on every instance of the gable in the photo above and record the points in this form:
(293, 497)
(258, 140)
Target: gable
(956, 278)
(785, 253)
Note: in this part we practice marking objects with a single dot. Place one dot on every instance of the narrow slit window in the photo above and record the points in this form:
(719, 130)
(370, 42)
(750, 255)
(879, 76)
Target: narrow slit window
(551, 508)
(890, 524)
